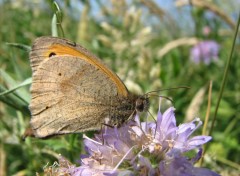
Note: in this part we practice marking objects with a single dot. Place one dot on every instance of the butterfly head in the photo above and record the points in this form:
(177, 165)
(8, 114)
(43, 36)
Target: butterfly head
(142, 103)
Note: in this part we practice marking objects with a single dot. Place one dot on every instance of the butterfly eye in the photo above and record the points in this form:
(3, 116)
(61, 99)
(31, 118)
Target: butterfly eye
(142, 104)
(52, 54)
(139, 105)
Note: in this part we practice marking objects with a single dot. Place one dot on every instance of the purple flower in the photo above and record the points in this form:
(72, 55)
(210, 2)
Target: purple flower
(205, 51)
(142, 148)
(105, 159)
(177, 165)
(165, 135)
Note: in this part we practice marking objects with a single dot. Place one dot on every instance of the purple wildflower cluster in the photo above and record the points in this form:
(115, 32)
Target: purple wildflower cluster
(142, 148)
(205, 51)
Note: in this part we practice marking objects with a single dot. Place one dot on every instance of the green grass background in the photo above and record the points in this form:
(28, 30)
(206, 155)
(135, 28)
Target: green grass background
(130, 37)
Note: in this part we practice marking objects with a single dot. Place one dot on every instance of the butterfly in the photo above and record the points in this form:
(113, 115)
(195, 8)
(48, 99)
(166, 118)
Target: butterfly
(73, 91)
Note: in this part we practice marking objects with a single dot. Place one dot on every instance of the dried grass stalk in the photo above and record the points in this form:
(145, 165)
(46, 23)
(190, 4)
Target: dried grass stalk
(195, 104)
(176, 43)
(209, 6)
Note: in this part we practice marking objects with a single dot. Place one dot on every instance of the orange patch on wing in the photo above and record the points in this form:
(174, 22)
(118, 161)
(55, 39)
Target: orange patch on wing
(63, 50)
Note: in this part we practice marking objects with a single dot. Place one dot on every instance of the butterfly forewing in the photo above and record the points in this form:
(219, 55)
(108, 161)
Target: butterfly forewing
(71, 94)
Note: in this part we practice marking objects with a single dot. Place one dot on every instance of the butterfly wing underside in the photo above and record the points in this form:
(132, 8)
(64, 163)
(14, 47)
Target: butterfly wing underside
(69, 93)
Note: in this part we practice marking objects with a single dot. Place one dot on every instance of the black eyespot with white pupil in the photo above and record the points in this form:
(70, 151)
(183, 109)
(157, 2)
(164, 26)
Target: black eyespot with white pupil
(52, 54)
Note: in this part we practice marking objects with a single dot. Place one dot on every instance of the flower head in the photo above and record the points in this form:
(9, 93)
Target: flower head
(165, 135)
(143, 148)
(205, 51)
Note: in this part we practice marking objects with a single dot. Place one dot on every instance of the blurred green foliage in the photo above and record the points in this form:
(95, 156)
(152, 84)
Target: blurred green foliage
(131, 37)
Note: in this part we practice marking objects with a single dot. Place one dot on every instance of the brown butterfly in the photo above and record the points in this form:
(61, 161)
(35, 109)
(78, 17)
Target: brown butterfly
(73, 91)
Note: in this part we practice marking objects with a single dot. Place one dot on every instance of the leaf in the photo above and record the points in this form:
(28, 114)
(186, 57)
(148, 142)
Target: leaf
(57, 29)
(18, 98)
(54, 26)
(20, 46)
(24, 83)
(22, 94)
(14, 101)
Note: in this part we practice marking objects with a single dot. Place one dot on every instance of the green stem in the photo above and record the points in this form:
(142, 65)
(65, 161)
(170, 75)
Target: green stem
(225, 76)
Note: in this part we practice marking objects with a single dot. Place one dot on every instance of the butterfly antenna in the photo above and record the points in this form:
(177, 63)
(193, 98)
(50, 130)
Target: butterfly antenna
(161, 96)
(173, 88)
(105, 129)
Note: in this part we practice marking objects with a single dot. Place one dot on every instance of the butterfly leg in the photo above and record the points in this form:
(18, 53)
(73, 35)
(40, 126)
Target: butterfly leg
(107, 125)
